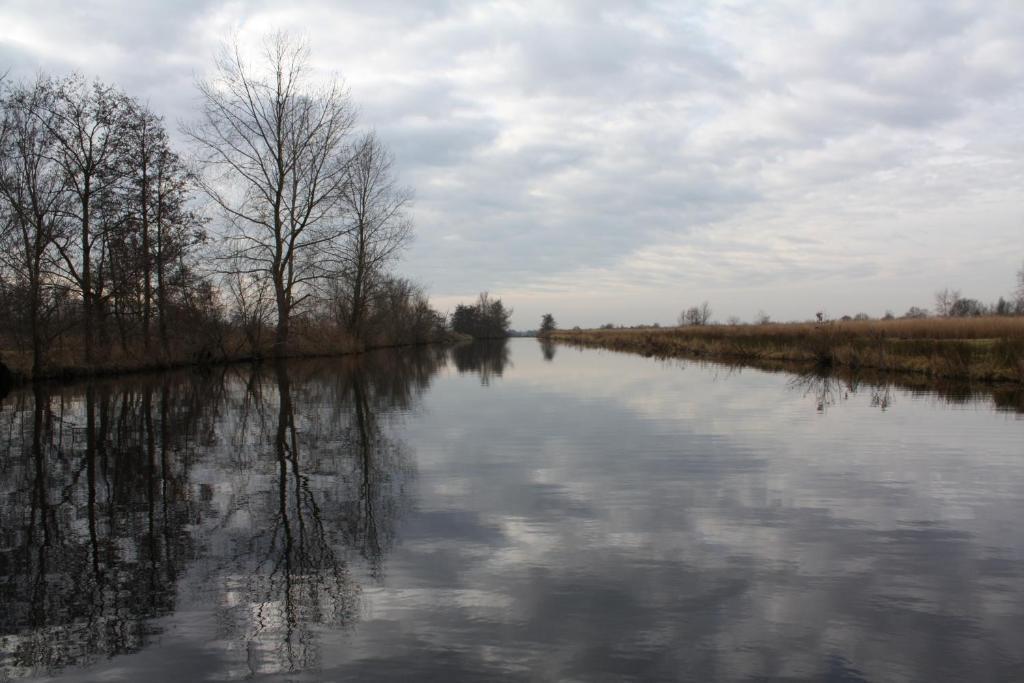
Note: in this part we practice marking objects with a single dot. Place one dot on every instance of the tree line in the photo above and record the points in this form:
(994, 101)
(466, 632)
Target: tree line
(487, 318)
(278, 235)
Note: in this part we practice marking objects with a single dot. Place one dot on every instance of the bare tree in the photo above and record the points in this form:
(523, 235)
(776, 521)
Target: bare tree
(1020, 291)
(83, 120)
(274, 148)
(696, 315)
(379, 227)
(945, 299)
(251, 303)
(33, 202)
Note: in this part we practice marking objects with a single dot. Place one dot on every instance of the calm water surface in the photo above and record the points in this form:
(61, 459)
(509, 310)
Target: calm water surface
(512, 511)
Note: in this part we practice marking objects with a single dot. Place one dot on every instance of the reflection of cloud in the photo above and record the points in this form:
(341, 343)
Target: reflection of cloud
(655, 520)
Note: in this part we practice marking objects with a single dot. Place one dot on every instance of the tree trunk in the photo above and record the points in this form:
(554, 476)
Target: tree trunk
(283, 315)
(161, 293)
(147, 285)
(87, 301)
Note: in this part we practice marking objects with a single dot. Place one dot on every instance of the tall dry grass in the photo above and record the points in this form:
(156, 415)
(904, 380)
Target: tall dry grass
(988, 348)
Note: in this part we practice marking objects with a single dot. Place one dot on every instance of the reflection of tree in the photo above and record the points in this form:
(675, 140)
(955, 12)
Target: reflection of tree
(89, 555)
(381, 468)
(488, 358)
(826, 388)
(271, 484)
(332, 496)
(294, 579)
(547, 348)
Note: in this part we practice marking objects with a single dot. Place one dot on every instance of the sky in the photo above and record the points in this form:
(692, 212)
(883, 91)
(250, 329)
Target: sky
(618, 162)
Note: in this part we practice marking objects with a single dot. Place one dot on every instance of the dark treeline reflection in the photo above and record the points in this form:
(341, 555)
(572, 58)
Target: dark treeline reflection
(270, 487)
(547, 348)
(829, 388)
(487, 358)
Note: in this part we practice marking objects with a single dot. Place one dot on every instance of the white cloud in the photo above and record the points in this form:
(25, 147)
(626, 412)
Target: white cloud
(761, 155)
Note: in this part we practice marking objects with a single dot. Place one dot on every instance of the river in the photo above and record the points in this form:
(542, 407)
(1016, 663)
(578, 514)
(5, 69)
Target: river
(514, 511)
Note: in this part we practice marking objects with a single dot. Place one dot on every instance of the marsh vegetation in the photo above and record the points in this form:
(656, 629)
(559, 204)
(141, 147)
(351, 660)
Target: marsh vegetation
(980, 348)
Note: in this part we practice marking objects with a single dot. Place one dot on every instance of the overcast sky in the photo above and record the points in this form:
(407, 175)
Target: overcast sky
(611, 161)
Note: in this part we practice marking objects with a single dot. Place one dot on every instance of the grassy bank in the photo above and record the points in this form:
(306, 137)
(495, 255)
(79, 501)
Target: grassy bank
(64, 363)
(989, 349)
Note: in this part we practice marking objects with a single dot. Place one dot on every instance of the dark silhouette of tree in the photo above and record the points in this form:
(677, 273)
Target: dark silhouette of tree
(99, 234)
(33, 204)
(547, 324)
(696, 315)
(486, 319)
(86, 123)
(275, 148)
(378, 226)
(915, 312)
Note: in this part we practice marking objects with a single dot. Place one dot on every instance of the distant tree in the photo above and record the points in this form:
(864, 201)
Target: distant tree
(486, 319)
(1020, 292)
(967, 308)
(1002, 307)
(696, 315)
(762, 318)
(608, 326)
(944, 300)
(547, 324)
(915, 312)
(889, 315)
(862, 316)
(734, 320)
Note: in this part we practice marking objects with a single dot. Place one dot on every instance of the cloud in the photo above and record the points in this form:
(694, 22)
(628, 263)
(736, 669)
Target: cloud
(675, 152)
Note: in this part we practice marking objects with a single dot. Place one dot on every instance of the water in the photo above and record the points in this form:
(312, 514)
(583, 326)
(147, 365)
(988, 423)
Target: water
(515, 512)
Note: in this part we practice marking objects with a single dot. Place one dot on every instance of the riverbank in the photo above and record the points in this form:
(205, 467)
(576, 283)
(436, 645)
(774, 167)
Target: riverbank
(985, 349)
(15, 368)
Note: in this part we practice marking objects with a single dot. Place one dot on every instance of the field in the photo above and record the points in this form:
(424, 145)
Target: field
(985, 348)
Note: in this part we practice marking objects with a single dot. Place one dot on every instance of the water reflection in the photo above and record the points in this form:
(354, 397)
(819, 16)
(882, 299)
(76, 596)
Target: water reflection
(94, 520)
(267, 481)
(827, 388)
(547, 348)
(591, 516)
(485, 358)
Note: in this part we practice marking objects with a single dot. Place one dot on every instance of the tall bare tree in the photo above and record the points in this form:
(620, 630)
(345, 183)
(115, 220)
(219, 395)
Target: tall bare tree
(162, 228)
(84, 120)
(33, 203)
(274, 145)
(379, 226)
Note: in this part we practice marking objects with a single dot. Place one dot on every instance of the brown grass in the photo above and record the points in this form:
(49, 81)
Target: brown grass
(64, 360)
(990, 348)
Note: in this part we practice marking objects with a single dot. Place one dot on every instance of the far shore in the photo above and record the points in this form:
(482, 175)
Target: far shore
(987, 349)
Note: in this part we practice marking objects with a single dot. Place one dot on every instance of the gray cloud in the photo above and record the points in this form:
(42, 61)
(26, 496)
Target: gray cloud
(583, 146)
